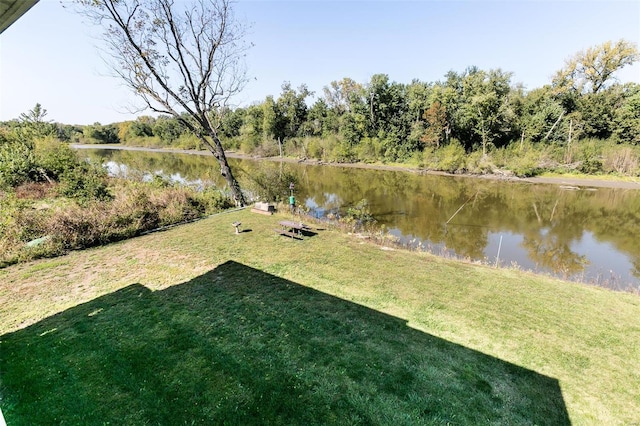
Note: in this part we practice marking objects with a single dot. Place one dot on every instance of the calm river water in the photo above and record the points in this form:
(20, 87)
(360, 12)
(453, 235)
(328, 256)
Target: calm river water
(586, 234)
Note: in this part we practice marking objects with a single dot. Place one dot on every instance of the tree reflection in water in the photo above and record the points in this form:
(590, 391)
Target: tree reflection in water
(550, 252)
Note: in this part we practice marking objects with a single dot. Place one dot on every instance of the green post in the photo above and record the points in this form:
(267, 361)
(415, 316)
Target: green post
(292, 199)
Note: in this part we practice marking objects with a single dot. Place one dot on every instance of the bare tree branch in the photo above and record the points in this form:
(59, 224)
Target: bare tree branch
(180, 58)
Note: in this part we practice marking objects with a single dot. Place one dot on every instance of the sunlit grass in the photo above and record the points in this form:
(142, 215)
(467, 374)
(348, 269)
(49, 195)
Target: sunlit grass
(205, 325)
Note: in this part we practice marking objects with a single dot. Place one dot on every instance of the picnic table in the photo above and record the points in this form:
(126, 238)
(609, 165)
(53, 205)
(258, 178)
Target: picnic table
(292, 229)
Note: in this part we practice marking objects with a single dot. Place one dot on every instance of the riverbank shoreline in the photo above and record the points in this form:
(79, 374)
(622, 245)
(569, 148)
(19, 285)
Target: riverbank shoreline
(568, 181)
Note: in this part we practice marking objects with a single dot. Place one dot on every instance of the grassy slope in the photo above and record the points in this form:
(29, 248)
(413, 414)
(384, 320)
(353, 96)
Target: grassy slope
(288, 354)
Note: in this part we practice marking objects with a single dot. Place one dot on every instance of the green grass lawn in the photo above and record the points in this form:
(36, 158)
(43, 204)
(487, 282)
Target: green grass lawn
(199, 325)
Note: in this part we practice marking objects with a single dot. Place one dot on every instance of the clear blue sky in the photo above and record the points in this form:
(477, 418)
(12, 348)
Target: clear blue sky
(49, 55)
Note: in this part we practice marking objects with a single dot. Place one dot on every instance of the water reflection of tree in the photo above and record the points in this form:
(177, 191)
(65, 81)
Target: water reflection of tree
(467, 241)
(189, 167)
(636, 268)
(553, 252)
(554, 221)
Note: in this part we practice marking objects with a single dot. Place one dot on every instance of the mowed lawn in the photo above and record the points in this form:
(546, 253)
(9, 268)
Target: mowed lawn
(199, 325)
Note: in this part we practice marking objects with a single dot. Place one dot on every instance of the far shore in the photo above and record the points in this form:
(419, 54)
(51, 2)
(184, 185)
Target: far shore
(582, 181)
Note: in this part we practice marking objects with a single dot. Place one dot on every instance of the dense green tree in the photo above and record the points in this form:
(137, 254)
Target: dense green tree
(17, 160)
(481, 112)
(142, 127)
(33, 123)
(436, 122)
(342, 95)
(449, 93)
(68, 132)
(273, 126)
(319, 121)
(167, 128)
(590, 98)
(252, 126)
(384, 100)
(390, 118)
(627, 116)
(597, 111)
(27, 155)
(418, 96)
(593, 69)
(292, 110)
(540, 111)
(447, 97)
(231, 122)
(54, 159)
(97, 133)
(353, 128)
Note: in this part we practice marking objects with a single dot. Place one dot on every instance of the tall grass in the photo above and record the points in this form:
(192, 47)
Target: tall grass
(64, 225)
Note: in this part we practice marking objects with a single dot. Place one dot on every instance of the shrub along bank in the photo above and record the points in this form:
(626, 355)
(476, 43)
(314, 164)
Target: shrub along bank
(37, 222)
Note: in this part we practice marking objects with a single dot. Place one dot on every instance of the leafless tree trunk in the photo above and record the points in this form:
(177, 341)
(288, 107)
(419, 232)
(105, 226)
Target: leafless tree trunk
(553, 127)
(182, 58)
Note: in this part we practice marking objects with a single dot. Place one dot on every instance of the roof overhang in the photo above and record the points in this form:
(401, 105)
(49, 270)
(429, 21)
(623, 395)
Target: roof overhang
(11, 10)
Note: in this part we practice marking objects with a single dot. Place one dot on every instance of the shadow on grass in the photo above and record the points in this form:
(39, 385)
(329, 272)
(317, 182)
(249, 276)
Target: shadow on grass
(308, 233)
(239, 346)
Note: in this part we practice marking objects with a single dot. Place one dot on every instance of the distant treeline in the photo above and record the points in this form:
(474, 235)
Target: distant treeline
(474, 121)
